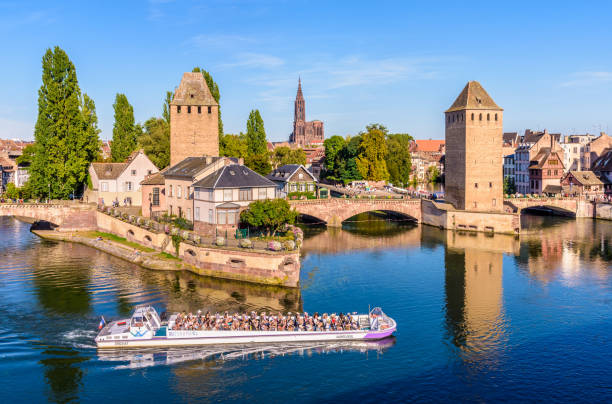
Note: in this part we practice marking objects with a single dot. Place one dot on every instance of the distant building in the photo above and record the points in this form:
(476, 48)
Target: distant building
(596, 148)
(508, 168)
(305, 133)
(574, 148)
(221, 196)
(120, 181)
(602, 167)
(473, 179)
(105, 149)
(583, 183)
(153, 195)
(293, 178)
(194, 120)
(546, 171)
(425, 153)
(525, 153)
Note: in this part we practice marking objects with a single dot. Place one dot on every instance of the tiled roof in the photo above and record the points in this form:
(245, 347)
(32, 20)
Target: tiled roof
(473, 96)
(510, 137)
(234, 176)
(604, 162)
(108, 171)
(283, 173)
(428, 146)
(189, 167)
(193, 90)
(154, 179)
(586, 177)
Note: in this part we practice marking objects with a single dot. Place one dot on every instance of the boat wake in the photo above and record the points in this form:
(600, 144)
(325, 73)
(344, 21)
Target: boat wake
(80, 338)
(148, 357)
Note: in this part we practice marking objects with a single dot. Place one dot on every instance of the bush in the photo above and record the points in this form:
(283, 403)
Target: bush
(220, 241)
(245, 243)
(274, 246)
(270, 215)
(301, 195)
(289, 245)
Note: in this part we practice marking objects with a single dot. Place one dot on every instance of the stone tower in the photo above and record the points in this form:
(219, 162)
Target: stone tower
(473, 165)
(305, 133)
(194, 120)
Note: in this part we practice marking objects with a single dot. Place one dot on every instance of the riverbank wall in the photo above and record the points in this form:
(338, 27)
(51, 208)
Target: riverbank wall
(603, 211)
(444, 216)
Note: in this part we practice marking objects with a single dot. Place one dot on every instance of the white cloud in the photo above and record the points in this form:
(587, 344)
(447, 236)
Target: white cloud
(588, 79)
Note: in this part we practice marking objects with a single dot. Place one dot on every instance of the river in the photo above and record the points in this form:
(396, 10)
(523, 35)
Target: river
(481, 319)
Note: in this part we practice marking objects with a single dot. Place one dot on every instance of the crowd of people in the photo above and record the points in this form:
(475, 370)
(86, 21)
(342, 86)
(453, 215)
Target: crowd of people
(265, 322)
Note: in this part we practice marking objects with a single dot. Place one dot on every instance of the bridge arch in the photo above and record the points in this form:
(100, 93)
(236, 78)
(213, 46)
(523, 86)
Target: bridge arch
(548, 209)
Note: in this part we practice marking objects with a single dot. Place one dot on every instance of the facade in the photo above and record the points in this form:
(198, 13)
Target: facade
(222, 195)
(179, 178)
(473, 180)
(292, 178)
(574, 148)
(596, 148)
(425, 153)
(546, 171)
(583, 183)
(305, 133)
(120, 181)
(7, 168)
(153, 195)
(194, 120)
(508, 168)
(525, 153)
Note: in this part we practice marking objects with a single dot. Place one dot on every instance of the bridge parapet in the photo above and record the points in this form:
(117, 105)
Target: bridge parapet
(67, 217)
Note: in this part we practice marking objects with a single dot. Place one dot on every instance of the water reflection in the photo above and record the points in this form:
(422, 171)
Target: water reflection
(63, 373)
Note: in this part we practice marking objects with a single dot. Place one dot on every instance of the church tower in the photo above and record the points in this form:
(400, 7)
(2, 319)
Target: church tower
(299, 113)
(473, 162)
(304, 133)
(194, 120)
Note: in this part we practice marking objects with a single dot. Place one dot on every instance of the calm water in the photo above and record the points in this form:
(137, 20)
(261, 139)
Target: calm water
(481, 319)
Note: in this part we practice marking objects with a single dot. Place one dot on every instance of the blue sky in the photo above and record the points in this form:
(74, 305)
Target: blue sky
(549, 65)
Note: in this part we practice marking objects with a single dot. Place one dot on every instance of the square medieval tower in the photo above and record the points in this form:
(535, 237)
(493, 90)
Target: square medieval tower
(473, 162)
(194, 120)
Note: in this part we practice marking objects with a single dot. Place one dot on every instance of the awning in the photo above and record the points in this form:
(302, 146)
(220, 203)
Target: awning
(228, 205)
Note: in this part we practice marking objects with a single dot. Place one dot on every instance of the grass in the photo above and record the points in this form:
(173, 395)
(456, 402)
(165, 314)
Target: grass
(167, 256)
(120, 240)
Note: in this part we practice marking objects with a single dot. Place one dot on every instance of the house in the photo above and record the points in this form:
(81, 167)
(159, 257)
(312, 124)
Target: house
(574, 148)
(179, 178)
(596, 148)
(532, 143)
(602, 167)
(292, 178)
(222, 195)
(546, 171)
(120, 181)
(153, 195)
(7, 168)
(582, 183)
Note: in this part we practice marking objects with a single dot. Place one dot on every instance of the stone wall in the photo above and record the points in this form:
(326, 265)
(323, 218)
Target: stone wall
(446, 217)
(67, 217)
(603, 211)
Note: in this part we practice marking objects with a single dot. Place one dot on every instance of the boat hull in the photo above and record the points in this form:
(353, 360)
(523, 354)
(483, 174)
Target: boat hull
(196, 338)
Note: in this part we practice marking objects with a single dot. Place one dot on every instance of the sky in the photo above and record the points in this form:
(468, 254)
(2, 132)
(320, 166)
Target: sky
(401, 64)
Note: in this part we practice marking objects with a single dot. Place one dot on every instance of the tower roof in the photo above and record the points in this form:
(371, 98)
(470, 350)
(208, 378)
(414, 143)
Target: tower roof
(299, 91)
(193, 90)
(473, 96)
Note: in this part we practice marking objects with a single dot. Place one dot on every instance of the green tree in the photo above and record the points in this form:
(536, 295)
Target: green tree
(214, 90)
(155, 141)
(27, 155)
(285, 155)
(509, 185)
(398, 159)
(256, 134)
(333, 147)
(433, 174)
(11, 192)
(270, 214)
(125, 136)
(66, 132)
(166, 111)
(372, 152)
(233, 145)
(260, 163)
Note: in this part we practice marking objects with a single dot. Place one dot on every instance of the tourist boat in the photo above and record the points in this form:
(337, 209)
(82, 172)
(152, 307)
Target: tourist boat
(145, 329)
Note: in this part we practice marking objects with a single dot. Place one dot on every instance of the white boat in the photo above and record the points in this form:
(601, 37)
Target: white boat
(146, 329)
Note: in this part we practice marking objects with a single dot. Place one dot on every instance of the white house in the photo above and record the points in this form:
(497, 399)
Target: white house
(120, 181)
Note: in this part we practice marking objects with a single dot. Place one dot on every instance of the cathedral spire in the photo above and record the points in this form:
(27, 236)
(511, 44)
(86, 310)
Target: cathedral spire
(299, 113)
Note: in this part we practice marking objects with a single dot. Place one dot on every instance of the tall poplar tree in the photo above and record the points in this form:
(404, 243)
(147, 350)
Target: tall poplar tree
(214, 90)
(125, 133)
(256, 134)
(66, 132)
(372, 151)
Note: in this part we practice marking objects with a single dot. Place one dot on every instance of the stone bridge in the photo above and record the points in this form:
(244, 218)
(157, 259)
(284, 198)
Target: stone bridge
(334, 211)
(576, 207)
(64, 217)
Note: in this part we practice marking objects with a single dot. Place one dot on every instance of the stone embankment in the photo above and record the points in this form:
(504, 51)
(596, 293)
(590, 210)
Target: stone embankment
(603, 211)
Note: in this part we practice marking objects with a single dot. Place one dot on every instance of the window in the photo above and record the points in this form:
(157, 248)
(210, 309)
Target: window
(549, 172)
(178, 109)
(488, 117)
(490, 185)
(231, 216)
(188, 213)
(197, 213)
(472, 116)
(311, 187)
(199, 109)
(301, 176)
(302, 187)
(209, 110)
(170, 193)
(155, 200)
(494, 201)
(128, 186)
(556, 172)
(210, 216)
(189, 109)
(149, 172)
(475, 185)
(228, 194)
(480, 117)
(178, 191)
(245, 194)
(133, 172)
(263, 193)
(197, 193)
(221, 217)
(496, 117)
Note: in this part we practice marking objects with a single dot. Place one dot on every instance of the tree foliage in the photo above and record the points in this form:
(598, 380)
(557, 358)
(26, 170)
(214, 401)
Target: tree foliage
(341, 162)
(372, 152)
(509, 185)
(155, 141)
(285, 155)
(256, 134)
(214, 90)
(260, 163)
(270, 214)
(333, 146)
(125, 132)
(433, 174)
(66, 131)
(233, 145)
(27, 155)
(399, 163)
